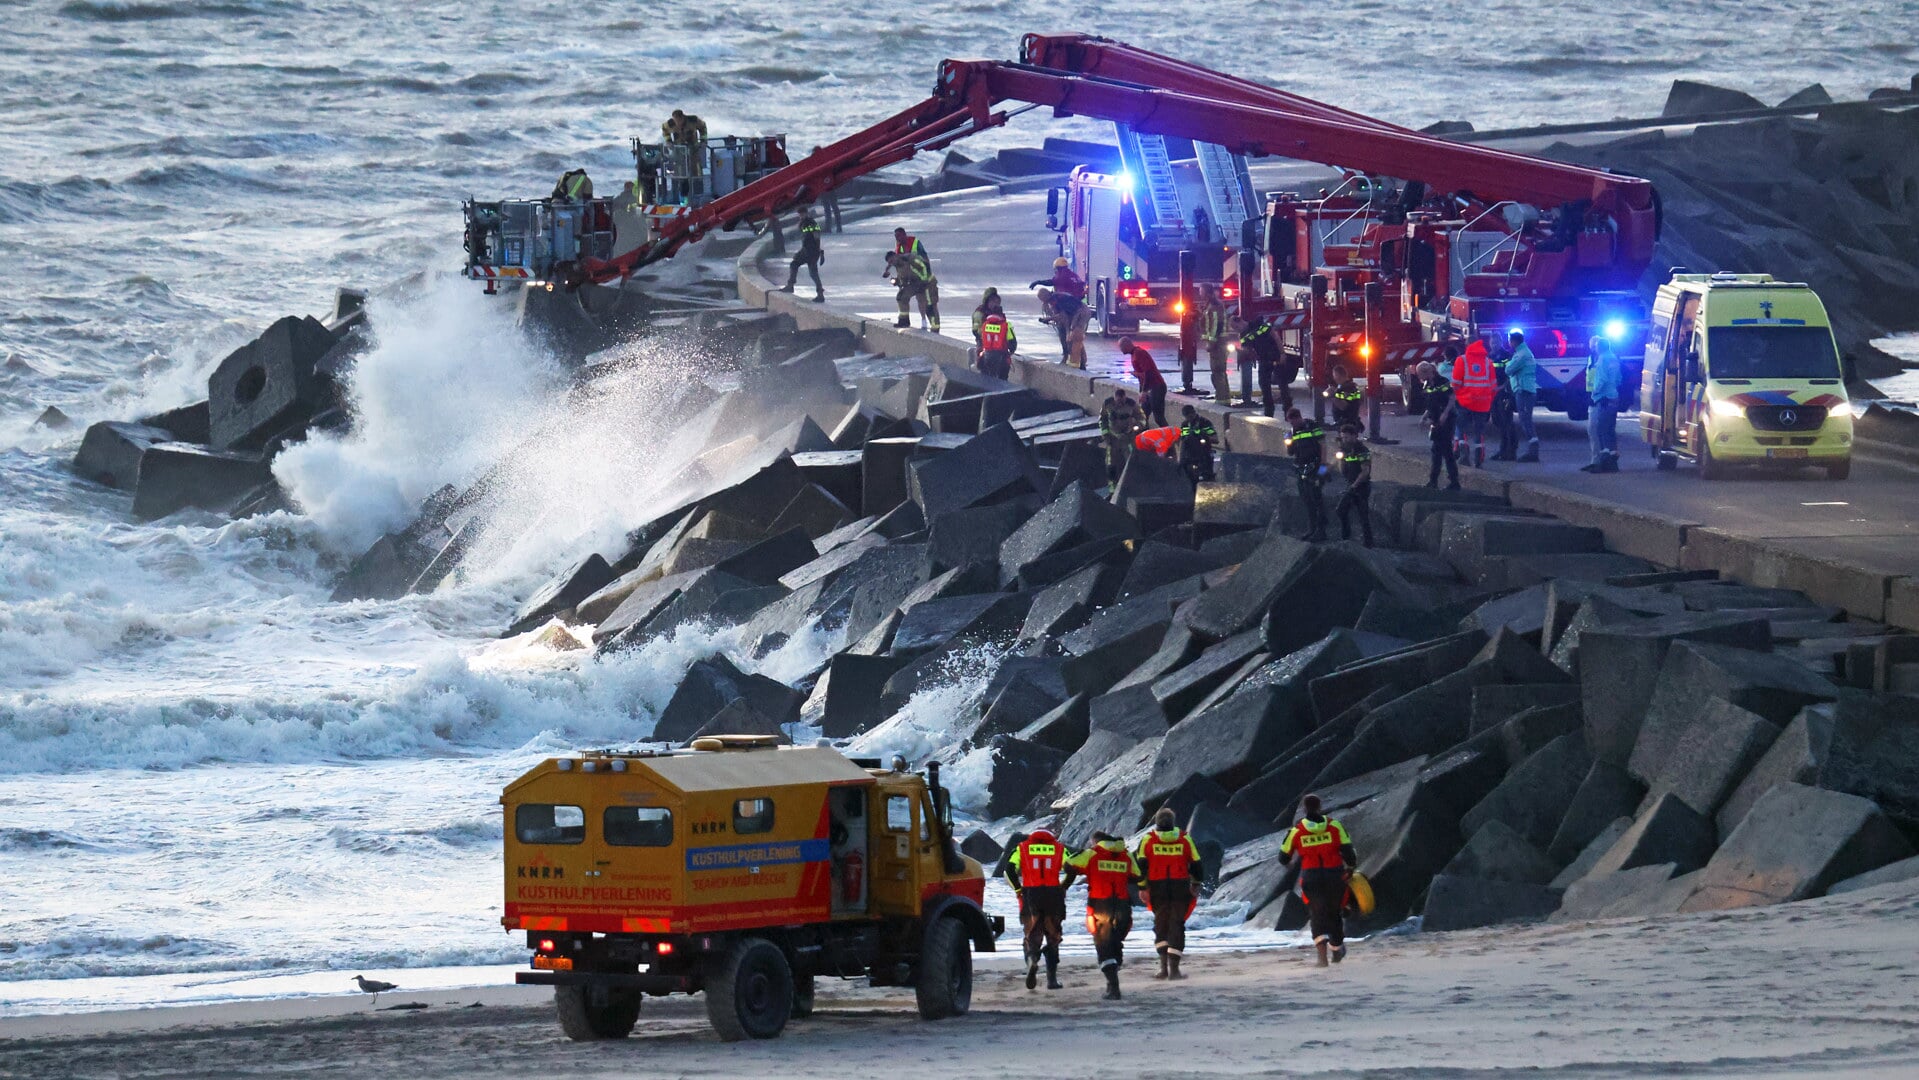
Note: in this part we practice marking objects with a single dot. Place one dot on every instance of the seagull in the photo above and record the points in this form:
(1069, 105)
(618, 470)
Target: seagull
(374, 986)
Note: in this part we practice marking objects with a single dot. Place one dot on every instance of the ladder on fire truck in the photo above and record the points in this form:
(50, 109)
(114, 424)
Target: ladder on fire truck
(1229, 188)
(1145, 158)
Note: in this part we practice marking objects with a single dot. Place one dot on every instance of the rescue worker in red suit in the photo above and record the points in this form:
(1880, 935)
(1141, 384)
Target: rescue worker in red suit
(996, 344)
(1475, 384)
(1171, 863)
(1036, 867)
(1110, 872)
(1324, 851)
(1152, 385)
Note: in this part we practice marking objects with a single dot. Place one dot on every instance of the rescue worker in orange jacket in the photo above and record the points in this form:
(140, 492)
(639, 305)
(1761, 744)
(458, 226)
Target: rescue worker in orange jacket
(1326, 859)
(1110, 871)
(1036, 867)
(1172, 867)
(997, 343)
(1475, 384)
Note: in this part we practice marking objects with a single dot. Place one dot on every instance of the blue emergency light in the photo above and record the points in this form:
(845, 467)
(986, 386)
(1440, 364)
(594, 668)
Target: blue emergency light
(1615, 329)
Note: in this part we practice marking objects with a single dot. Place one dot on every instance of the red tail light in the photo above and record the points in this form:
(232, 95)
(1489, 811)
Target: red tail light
(1229, 292)
(547, 945)
(664, 948)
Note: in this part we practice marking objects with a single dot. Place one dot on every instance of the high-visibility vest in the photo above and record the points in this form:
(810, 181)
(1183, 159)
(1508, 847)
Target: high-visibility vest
(992, 333)
(1040, 859)
(909, 246)
(1317, 842)
(808, 226)
(1159, 440)
(1109, 870)
(1167, 856)
(1474, 380)
(1348, 393)
(1212, 323)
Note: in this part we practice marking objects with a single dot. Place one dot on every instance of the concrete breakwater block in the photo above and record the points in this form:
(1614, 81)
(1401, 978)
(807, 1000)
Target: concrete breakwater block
(1020, 770)
(175, 476)
(853, 686)
(711, 685)
(1607, 794)
(1460, 903)
(1794, 843)
(988, 467)
(111, 450)
(187, 424)
(1075, 518)
(1231, 741)
(1534, 797)
(1668, 831)
(269, 385)
(1496, 852)
(1704, 760)
(563, 593)
(1619, 668)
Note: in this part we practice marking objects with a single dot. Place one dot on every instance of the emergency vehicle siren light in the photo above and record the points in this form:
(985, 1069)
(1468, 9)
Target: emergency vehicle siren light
(1615, 329)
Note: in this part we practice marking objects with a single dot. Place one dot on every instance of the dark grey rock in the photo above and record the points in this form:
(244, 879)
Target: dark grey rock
(1496, 703)
(1156, 562)
(1534, 797)
(1496, 852)
(1619, 667)
(1065, 728)
(175, 476)
(1111, 802)
(853, 686)
(188, 423)
(974, 535)
(981, 848)
(765, 562)
(1607, 794)
(1591, 897)
(1182, 689)
(1154, 487)
(270, 385)
(1892, 873)
(991, 466)
(1065, 605)
(814, 512)
(883, 474)
(1668, 831)
(1048, 569)
(712, 684)
(1131, 711)
(1231, 741)
(1400, 868)
(563, 593)
(1709, 757)
(1522, 612)
(1594, 850)
(1518, 660)
(933, 623)
(1020, 770)
(1794, 843)
(110, 452)
(1337, 691)
(1075, 518)
(739, 717)
(1455, 903)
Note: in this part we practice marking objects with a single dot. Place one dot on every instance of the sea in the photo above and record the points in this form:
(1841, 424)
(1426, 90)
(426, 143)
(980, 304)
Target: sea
(217, 784)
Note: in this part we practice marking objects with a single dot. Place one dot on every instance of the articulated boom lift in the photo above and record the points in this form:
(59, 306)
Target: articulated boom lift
(1469, 241)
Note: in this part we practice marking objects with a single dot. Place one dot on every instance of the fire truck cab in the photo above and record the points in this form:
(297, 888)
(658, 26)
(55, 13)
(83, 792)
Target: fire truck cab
(741, 870)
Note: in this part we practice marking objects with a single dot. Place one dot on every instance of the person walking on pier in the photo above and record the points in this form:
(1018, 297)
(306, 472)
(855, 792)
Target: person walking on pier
(1440, 417)
(1120, 422)
(810, 255)
(1259, 352)
(1307, 446)
(1171, 864)
(1035, 870)
(1522, 374)
(1197, 437)
(1356, 465)
(1474, 385)
(1602, 387)
(1213, 333)
(1111, 872)
(1326, 859)
(1152, 385)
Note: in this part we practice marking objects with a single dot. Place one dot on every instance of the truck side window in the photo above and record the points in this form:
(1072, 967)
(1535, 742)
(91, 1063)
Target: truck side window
(638, 826)
(752, 816)
(899, 814)
(549, 823)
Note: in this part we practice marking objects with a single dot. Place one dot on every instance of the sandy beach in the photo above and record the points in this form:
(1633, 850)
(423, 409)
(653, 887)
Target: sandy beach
(1828, 987)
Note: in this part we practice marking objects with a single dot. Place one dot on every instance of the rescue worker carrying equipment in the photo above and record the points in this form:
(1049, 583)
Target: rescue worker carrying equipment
(1172, 867)
(1197, 437)
(1262, 340)
(1440, 417)
(1356, 465)
(1036, 867)
(1067, 295)
(1306, 445)
(1152, 385)
(1110, 871)
(913, 274)
(574, 186)
(1346, 397)
(1214, 334)
(810, 255)
(1474, 385)
(909, 245)
(989, 301)
(997, 343)
(1326, 859)
(1120, 421)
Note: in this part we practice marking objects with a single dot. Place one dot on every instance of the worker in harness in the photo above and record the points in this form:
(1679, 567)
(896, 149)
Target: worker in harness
(1346, 398)
(1213, 333)
(997, 343)
(1035, 868)
(1324, 851)
(1197, 437)
(1474, 385)
(1306, 445)
(1356, 465)
(1261, 341)
(1120, 421)
(913, 274)
(574, 186)
(1171, 864)
(1111, 872)
(810, 255)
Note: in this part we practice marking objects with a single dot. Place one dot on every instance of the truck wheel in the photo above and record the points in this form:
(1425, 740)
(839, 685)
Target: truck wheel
(585, 1022)
(749, 992)
(946, 972)
(802, 996)
(1839, 471)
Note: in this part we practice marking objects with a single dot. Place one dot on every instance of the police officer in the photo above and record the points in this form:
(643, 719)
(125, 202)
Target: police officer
(1171, 864)
(1356, 465)
(1324, 851)
(1110, 871)
(1214, 334)
(810, 255)
(1120, 421)
(1262, 341)
(1307, 447)
(1440, 418)
(1035, 867)
(1197, 437)
(1346, 397)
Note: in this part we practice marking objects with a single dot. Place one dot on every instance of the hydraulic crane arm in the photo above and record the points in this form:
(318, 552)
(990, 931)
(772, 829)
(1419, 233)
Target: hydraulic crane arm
(1244, 117)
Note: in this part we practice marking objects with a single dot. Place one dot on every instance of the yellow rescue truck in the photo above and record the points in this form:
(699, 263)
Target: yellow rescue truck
(1742, 369)
(741, 870)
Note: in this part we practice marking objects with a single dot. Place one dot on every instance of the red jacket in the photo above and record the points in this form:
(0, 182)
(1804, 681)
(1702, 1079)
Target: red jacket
(1067, 283)
(1474, 380)
(1146, 371)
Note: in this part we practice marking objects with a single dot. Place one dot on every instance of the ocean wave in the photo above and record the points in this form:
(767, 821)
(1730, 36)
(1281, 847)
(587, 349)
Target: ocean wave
(16, 839)
(493, 82)
(114, 11)
(24, 201)
(764, 74)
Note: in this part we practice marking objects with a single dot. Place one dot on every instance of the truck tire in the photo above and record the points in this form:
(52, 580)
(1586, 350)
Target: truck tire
(585, 1022)
(1839, 471)
(946, 972)
(802, 996)
(749, 991)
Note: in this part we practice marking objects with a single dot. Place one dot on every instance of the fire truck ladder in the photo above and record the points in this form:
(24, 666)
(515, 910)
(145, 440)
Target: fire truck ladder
(1145, 157)
(1229, 188)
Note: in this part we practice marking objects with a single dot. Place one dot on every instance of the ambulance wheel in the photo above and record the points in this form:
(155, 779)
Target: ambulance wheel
(584, 1022)
(749, 992)
(1709, 467)
(802, 996)
(946, 972)
(1839, 471)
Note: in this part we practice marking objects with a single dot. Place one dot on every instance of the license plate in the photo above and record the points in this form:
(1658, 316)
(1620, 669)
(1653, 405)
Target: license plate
(1142, 301)
(553, 963)
(1793, 453)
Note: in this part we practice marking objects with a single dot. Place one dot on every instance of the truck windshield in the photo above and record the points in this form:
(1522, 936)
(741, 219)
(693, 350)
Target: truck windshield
(1771, 352)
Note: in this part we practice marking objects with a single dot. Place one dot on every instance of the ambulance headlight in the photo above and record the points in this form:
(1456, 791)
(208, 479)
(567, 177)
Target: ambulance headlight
(1730, 409)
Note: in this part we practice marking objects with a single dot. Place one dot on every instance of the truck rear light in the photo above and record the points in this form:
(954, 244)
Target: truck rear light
(664, 948)
(1229, 292)
(547, 945)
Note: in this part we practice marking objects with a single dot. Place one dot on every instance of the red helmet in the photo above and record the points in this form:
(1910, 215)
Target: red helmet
(1044, 836)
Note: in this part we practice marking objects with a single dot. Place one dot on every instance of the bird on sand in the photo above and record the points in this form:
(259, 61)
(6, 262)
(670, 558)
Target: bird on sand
(374, 986)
